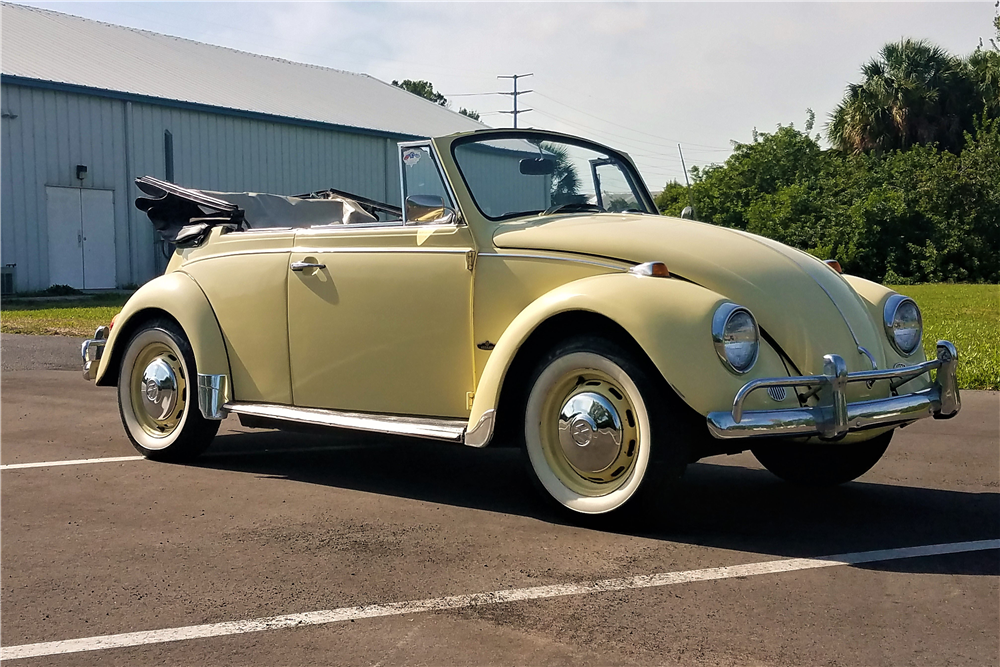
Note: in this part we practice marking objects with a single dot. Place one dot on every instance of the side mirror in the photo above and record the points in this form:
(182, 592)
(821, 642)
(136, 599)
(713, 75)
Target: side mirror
(428, 209)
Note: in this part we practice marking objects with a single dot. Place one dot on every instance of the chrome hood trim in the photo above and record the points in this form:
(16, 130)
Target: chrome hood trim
(806, 307)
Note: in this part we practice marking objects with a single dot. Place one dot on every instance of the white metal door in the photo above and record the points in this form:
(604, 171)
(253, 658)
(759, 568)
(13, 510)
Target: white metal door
(81, 237)
(65, 236)
(98, 212)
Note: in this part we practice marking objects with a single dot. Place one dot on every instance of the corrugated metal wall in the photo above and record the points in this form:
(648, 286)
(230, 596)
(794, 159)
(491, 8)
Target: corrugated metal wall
(51, 134)
(54, 131)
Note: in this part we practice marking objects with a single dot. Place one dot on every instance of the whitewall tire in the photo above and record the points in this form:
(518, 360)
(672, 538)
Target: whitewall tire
(157, 396)
(592, 426)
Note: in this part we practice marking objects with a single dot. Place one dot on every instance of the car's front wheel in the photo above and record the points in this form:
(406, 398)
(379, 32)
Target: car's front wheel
(157, 395)
(822, 464)
(594, 428)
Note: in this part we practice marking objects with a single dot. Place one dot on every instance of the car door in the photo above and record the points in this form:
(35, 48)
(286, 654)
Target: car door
(379, 315)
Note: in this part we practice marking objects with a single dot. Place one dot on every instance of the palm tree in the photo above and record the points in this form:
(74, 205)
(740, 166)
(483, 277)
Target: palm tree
(984, 64)
(912, 93)
(565, 180)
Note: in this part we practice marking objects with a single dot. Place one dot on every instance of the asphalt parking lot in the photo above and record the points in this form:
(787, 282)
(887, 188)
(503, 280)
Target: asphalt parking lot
(269, 524)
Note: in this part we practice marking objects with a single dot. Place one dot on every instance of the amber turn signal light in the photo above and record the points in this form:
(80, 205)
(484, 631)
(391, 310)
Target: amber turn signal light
(658, 269)
(833, 264)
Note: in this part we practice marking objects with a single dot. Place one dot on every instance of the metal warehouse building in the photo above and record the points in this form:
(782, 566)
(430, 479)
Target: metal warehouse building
(89, 106)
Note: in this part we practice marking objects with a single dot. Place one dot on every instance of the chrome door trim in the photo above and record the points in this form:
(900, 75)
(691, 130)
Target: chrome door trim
(606, 265)
(450, 430)
(369, 249)
(360, 249)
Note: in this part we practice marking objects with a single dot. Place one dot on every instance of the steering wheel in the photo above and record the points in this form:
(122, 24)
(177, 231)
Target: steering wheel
(572, 207)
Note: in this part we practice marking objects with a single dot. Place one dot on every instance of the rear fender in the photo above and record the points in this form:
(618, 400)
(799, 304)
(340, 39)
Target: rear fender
(671, 320)
(177, 295)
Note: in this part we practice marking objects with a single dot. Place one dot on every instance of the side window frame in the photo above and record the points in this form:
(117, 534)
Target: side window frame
(449, 193)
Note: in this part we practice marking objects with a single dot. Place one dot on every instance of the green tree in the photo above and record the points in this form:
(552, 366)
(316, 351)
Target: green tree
(672, 200)
(724, 193)
(984, 66)
(917, 215)
(565, 180)
(912, 93)
(424, 89)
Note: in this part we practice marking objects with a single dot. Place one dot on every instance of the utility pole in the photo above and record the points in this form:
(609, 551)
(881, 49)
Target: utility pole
(516, 92)
(687, 181)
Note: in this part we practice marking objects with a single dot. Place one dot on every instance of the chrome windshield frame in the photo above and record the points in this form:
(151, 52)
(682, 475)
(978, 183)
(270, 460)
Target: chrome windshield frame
(631, 172)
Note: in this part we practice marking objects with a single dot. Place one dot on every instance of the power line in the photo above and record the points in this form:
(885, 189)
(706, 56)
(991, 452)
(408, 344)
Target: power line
(605, 120)
(514, 94)
(625, 139)
(576, 91)
(664, 166)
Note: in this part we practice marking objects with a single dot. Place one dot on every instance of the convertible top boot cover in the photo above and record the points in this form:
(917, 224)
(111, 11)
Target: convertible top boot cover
(264, 210)
(176, 212)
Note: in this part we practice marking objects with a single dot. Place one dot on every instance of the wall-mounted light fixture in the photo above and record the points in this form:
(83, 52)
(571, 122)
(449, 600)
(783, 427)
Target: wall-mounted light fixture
(81, 171)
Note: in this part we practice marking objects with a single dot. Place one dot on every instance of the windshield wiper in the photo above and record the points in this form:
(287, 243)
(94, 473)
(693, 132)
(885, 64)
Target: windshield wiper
(514, 214)
(572, 208)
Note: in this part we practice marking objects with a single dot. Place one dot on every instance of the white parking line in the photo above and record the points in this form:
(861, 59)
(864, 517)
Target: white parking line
(478, 599)
(74, 462)
(120, 459)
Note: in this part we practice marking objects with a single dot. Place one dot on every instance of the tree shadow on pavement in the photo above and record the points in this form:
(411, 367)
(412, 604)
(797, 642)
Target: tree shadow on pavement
(721, 506)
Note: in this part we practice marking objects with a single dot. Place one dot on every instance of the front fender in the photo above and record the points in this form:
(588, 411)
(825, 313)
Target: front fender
(178, 295)
(670, 319)
(874, 296)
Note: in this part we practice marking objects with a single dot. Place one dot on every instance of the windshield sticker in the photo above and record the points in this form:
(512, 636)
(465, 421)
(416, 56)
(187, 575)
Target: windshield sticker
(411, 156)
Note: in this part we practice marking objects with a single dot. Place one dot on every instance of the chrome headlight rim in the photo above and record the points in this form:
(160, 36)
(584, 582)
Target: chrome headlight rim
(892, 305)
(720, 321)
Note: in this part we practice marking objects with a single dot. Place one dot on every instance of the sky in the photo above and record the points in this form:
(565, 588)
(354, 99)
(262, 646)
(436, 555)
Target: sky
(641, 77)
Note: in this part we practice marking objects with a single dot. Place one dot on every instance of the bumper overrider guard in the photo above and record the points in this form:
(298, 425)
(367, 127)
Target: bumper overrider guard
(91, 352)
(834, 417)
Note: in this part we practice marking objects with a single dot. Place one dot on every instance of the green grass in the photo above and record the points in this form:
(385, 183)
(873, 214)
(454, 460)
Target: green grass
(58, 317)
(968, 316)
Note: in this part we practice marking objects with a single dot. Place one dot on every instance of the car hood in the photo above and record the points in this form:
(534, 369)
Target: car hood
(804, 306)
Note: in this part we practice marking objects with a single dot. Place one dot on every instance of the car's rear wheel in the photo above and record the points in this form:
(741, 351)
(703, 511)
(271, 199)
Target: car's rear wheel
(822, 464)
(157, 395)
(594, 429)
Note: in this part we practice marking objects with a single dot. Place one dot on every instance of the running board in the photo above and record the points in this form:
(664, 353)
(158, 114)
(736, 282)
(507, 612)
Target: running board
(451, 430)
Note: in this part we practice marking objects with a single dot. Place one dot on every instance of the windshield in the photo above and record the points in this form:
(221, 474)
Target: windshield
(530, 174)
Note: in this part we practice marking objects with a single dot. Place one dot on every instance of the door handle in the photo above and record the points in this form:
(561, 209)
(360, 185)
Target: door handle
(302, 266)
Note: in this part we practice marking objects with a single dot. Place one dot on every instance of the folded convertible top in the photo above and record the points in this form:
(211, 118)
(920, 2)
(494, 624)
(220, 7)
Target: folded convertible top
(183, 215)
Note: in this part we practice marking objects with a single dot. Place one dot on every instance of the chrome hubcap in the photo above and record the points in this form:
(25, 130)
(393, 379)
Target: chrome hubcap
(159, 389)
(590, 432)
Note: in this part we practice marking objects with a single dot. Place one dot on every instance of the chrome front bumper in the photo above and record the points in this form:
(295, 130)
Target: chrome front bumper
(833, 416)
(91, 352)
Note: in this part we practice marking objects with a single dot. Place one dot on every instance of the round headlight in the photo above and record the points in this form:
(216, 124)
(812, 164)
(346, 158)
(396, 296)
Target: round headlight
(736, 337)
(903, 324)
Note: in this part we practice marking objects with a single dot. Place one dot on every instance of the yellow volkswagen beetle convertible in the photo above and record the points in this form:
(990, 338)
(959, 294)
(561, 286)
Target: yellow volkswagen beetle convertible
(525, 293)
